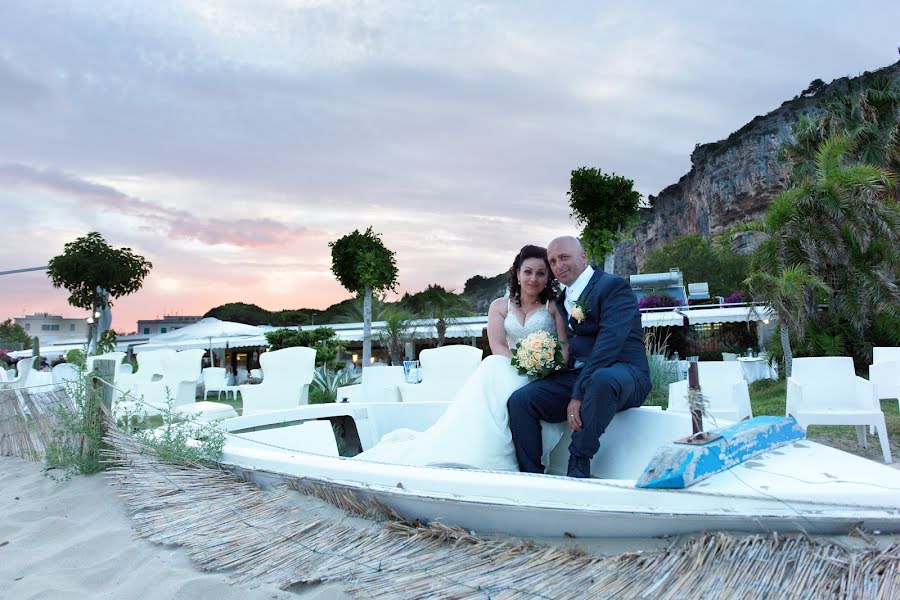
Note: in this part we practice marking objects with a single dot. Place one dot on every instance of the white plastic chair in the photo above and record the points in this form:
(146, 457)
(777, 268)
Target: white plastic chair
(65, 373)
(378, 384)
(444, 371)
(23, 368)
(287, 374)
(884, 372)
(722, 385)
(214, 381)
(826, 391)
(181, 371)
(116, 357)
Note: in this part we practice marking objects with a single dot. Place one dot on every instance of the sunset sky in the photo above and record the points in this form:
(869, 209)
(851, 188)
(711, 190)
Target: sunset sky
(229, 142)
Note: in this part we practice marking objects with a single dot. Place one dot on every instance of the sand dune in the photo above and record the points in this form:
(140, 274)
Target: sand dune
(73, 539)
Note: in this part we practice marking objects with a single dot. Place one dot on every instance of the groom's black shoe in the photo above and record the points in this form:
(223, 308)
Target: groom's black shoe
(579, 466)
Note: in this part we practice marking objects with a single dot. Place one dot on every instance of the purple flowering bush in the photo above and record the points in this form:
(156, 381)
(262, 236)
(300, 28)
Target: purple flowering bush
(736, 298)
(658, 301)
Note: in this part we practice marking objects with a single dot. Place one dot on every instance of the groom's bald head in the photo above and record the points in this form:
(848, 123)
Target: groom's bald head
(567, 258)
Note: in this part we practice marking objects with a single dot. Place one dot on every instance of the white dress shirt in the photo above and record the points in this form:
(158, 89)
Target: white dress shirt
(574, 291)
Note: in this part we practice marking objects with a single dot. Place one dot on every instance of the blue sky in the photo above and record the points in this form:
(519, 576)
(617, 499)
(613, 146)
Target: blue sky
(229, 142)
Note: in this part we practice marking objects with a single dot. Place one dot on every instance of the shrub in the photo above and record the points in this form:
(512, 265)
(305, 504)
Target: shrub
(323, 339)
(701, 259)
(736, 298)
(326, 382)
(76, 357)
(658, 301)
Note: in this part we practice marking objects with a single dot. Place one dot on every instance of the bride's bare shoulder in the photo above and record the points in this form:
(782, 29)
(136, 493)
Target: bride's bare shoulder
(499, 306)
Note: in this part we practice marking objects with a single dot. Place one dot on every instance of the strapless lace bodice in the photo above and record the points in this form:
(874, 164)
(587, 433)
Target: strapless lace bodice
(540, 320)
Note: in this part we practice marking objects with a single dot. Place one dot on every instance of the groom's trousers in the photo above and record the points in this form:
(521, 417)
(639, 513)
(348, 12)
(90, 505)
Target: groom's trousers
(609, 391)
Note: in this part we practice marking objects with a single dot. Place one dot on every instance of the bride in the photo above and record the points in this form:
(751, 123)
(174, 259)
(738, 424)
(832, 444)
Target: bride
(474, 430)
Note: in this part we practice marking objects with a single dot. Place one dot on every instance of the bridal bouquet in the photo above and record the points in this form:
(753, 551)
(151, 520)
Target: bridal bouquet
(538, 355)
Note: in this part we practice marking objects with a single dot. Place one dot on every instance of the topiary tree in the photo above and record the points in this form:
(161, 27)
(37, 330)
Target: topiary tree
(94, 272)
(362, 264)
(607, 206)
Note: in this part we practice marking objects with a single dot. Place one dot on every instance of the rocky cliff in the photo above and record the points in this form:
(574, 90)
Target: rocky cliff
(731, 181)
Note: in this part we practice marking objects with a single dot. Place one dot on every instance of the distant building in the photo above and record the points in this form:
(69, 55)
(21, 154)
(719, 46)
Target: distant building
(164, 325)
(51, 328)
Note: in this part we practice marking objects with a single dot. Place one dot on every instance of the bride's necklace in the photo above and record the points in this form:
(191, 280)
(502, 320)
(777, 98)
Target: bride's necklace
(526, 312)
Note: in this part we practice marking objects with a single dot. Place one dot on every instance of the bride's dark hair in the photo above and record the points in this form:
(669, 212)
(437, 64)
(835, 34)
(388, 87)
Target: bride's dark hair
(512, 279)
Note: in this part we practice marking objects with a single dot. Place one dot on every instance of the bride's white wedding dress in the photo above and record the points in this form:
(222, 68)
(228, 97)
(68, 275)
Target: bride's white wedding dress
(474, 430)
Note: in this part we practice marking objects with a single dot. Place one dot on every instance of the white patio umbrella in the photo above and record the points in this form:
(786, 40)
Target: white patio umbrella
(207, 333)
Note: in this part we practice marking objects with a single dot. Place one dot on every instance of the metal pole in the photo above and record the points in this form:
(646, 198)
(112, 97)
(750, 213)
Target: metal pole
(26, 270)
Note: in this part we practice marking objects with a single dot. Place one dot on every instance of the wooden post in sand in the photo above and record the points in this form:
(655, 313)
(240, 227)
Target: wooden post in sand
(105, 370)
(94, 418)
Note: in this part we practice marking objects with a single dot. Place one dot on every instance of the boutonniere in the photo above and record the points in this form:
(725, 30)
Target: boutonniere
(579, 311)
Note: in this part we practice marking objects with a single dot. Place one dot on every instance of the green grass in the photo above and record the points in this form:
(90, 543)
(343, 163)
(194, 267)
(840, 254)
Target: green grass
(767, 397)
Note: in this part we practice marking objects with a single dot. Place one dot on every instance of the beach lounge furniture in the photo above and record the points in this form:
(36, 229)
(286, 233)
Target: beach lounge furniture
(827, 391)
(884, 372)
(444, 371)
(116, 357)
(287, 374)
(722, 385)
(65, 373)
(23, 369)
(378, 384)
(181, 371)
(214, 380)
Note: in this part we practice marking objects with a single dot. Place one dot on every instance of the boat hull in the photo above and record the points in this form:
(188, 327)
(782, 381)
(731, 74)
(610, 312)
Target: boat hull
(801, 487)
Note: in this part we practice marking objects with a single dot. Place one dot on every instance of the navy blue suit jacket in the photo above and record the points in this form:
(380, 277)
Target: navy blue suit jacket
(609, 333)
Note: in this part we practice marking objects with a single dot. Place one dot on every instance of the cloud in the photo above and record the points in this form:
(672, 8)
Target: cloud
(230, 142)
(179, 224)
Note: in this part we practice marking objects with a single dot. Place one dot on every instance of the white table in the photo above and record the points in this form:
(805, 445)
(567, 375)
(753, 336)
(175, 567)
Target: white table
(754, 368)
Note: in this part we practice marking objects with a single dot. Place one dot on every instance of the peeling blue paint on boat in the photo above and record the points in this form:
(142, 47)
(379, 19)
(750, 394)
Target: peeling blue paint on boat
(677, 465)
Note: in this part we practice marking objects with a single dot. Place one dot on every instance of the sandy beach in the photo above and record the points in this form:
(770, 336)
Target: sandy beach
(73, 539)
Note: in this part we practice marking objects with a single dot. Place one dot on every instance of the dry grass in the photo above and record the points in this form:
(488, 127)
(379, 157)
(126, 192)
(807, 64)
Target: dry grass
(228, 524)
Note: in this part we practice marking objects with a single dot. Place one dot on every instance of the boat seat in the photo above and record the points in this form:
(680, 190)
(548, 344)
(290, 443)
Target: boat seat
(628, 443)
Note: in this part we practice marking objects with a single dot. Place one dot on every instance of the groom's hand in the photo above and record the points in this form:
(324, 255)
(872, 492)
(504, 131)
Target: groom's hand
(574, 414)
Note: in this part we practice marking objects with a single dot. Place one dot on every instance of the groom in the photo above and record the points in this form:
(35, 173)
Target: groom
(606, 352)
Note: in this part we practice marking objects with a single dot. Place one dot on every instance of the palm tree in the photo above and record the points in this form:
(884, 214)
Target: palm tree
(442, 305)
(786, 292)
(844, 229)
(396, 331)
(353, 311)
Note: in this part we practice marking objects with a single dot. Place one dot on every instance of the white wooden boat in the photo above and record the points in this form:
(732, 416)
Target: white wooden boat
(803, 486)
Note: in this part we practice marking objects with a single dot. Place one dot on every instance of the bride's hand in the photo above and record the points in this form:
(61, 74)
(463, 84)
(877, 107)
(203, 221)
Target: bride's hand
(573, 412)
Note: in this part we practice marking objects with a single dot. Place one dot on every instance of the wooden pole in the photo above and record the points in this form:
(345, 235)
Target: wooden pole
(93, 410)
(693, 392)
(105, 370)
